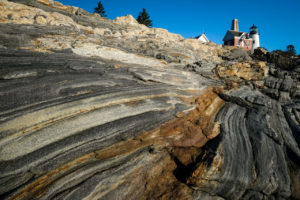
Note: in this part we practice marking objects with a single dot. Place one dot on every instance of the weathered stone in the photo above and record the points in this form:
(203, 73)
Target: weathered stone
(260, 54)
(127, 20)
(237, 54)
(242, 71)
(92, 108)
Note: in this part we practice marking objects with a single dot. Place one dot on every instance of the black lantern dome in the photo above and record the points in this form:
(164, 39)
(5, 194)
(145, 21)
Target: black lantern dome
(253, 30)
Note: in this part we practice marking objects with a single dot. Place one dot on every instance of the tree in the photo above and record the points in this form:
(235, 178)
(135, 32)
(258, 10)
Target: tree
(100, 9)
(291, 49)
(144, 18)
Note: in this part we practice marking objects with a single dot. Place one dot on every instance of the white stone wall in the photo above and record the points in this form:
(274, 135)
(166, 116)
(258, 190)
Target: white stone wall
(256, 42)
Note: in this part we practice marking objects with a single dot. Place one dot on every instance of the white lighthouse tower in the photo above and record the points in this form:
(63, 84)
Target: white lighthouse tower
(255, 37)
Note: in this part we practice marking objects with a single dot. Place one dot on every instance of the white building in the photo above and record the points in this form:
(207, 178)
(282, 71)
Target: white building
(234, 37)
(202, 38)
(255, 37)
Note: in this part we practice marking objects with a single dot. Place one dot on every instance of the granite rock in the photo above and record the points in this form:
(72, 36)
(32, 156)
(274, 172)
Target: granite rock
(92, 108)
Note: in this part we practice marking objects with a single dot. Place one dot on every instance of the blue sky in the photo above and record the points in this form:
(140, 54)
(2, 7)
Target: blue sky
(278, 21)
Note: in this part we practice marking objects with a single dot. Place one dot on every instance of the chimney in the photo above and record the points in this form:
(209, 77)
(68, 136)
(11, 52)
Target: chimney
(235, 25)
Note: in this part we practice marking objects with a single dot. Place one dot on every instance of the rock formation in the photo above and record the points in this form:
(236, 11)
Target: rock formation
(98, 109)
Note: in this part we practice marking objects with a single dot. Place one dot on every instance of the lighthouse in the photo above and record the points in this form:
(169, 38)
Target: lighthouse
(241, 39)
(255, 37)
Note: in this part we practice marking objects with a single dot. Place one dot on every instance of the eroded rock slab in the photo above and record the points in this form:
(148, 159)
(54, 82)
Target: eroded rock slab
(92, 108)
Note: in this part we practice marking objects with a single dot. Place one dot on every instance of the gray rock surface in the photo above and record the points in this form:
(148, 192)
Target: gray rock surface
(92, 108)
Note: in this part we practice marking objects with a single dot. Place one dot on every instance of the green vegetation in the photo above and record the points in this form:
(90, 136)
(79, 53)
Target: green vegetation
(144, 18)
(291, 49)
(100, 10)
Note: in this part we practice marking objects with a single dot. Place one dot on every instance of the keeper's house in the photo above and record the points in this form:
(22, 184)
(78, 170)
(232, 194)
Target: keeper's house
(234, 37)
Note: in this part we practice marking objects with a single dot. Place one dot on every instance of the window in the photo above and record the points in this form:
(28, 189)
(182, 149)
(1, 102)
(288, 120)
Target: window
(248, 43)
(238, 42)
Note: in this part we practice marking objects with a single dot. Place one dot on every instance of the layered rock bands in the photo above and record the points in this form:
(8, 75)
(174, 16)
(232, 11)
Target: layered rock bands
(92, 108)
